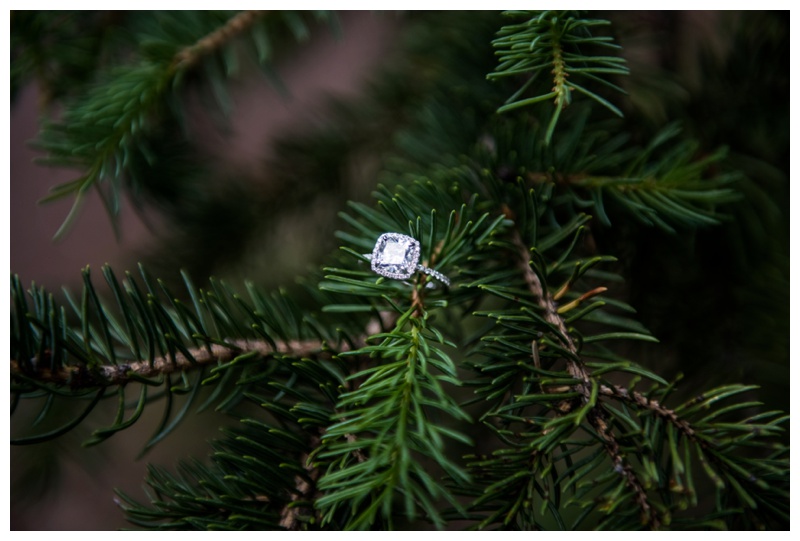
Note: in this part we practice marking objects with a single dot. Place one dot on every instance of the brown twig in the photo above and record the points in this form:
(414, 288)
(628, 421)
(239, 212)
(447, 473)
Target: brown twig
(237, 24)
(597, 416)
(640, 400)
(81, 377)
(637, 398)
(597, 420)
(546, 302)
(290, 514)
(418, 291)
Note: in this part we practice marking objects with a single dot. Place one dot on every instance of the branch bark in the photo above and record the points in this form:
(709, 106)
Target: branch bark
(83, 377)
(239, 23)
(598, 421)
(637, 398)
(291, 512)
(548, 304)
(597, 417)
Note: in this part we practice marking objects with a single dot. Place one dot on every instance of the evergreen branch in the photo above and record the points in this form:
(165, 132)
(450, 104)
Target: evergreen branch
(548, 305)
(277, 491)
(669, 183)
(712, 443)
(557, 394)
(664, 184)
(352, 421)
(400, 391)
(596, 415)
(150, 335)
(553, 39)
(107, 130)
(374, 458)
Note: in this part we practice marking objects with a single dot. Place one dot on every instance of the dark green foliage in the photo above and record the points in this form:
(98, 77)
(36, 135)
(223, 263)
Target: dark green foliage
(108, 127)
(60, 48)
(253, 480)
(400, 408)
(150, 337)
(517, 398)
(555, 43)
(733, 96)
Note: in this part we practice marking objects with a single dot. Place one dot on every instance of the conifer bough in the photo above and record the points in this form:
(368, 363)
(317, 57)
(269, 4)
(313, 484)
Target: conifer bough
(502, 401)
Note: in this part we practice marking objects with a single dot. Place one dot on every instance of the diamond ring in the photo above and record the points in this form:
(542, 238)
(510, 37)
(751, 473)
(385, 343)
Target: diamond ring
(397, 256)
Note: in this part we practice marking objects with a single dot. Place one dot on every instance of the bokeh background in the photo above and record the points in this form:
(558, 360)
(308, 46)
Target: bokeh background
(260, 189)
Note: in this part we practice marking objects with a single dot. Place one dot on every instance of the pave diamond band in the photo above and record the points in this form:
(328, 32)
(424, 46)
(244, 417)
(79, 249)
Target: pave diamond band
(397, 256)
(436, 274)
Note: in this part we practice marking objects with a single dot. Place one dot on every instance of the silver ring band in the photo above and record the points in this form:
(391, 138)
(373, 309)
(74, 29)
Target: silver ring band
(434, 273)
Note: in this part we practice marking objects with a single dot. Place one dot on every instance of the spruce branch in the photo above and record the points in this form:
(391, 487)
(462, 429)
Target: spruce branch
(353, 418)
(552, 403)
(548, 304)
(577, 370)
(375, 456)
(148, 334)
(396, 413)
(670, 183)
(554, 40)
(110, 127)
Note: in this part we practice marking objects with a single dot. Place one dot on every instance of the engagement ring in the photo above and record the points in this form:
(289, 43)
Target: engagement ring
(397, 256)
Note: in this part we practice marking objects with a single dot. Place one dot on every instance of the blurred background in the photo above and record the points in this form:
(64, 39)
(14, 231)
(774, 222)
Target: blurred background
(233, 230)
(257, 192)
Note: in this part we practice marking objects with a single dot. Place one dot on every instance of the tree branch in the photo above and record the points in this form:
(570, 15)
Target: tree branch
(237, 24)
(290, 514)
(597, 416)
(82, 377)
(621, 466)
(637, 398)
(546, 302)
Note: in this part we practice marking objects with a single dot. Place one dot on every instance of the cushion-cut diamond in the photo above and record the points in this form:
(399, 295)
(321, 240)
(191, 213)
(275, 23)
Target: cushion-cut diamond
(394, 252)
(395, 256)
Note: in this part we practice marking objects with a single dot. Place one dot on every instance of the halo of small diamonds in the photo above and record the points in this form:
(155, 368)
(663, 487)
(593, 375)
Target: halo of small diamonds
(395, 256)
